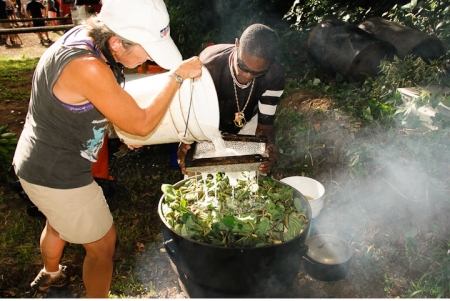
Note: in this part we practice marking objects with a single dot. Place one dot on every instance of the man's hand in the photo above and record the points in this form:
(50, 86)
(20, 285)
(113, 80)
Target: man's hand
(272, 150)
(182, 151)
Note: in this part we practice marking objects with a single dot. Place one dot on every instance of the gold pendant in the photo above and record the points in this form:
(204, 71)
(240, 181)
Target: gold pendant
(239, 119)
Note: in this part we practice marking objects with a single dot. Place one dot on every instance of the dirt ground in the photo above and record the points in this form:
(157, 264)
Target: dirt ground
(375, 227)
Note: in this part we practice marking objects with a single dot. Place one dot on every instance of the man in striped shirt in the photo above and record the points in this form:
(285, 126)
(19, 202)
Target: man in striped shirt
(249, 81)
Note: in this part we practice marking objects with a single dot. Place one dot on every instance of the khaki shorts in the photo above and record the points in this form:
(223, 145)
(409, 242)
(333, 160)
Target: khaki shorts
(80, 215)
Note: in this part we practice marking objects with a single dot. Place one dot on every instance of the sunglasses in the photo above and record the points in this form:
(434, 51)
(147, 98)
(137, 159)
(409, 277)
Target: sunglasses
(246, 70)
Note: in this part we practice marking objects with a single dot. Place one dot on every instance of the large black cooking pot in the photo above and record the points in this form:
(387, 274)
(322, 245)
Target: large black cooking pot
(217, 271)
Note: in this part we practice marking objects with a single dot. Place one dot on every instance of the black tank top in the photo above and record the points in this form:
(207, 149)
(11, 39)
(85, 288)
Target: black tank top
(59, 141)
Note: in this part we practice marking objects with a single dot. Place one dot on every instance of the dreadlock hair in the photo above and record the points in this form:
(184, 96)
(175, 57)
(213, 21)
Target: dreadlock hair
(259, 40)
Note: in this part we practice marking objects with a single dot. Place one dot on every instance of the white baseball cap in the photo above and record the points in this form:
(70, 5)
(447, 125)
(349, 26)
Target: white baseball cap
(145, 22)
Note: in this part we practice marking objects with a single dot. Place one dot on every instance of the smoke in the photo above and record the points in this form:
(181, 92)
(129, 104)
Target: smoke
(392, 214)
(396, 184)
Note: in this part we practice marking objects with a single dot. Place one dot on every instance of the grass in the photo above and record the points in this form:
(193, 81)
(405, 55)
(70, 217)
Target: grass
(13, 82)
(386, 194)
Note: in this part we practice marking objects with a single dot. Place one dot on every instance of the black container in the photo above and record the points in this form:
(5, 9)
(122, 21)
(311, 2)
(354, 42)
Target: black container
(407, 40)
(328, 257)
(348, 50)
(212, 271)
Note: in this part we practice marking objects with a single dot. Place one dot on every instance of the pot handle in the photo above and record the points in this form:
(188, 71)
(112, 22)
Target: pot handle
(303, 249)
(170, 243)
(170, 247)
(307, 259)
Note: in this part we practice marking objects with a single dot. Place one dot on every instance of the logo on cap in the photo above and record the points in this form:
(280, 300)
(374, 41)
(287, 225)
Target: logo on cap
(164, 32)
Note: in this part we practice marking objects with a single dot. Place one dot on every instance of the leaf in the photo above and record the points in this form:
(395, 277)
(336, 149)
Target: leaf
(298, 205)
(192, 227)
(411, 233)
(286, 193)
(247, 218)
(446, 101)
(228, 221)
(415, 293)
(263, 226)
(274, 195)
(339, 77)
(170, 194)
(184, 230)
(354, 161)
(222, 220)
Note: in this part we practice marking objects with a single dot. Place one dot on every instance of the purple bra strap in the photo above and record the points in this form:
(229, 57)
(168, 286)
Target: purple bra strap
(85, 42)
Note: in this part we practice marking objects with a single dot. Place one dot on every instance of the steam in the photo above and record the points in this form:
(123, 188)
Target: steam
(396, 211)
(395, 187)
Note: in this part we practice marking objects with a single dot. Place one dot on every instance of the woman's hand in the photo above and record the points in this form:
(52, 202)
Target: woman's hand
(190, 68)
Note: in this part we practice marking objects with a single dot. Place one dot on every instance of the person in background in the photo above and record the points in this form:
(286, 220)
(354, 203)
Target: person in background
(24, 6)
(58, 13)
(36, 9)
(24, 11)
(21, 13)
(6, 14)
(249, 81)
(11, 11)
(19, 9)
(77, 91)
(3, 16)
(51, 11)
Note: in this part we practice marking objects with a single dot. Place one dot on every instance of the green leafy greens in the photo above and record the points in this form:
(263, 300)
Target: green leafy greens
(210, 210)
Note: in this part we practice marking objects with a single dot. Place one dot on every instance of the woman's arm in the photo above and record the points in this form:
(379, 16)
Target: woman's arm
(88, 79)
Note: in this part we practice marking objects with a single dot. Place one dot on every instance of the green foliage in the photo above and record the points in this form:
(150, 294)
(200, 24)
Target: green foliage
(358, 157)
(435, 282)
(408, 72)
(192, 24)
(7, 63)
(369, 104)
(432, 17)
(309, 13)
(197, 22)
(293, 139)
(13, 85)
(8, 143)
(377, 98)
(246, 213)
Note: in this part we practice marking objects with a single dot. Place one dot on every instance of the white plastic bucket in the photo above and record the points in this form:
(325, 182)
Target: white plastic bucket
(187, 121)
(309, 188)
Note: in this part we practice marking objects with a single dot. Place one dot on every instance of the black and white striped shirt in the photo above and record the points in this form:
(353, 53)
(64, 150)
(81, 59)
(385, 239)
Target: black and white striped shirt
(265, 96)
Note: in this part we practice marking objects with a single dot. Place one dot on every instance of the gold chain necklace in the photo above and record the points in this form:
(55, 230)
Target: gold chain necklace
(239, 117)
